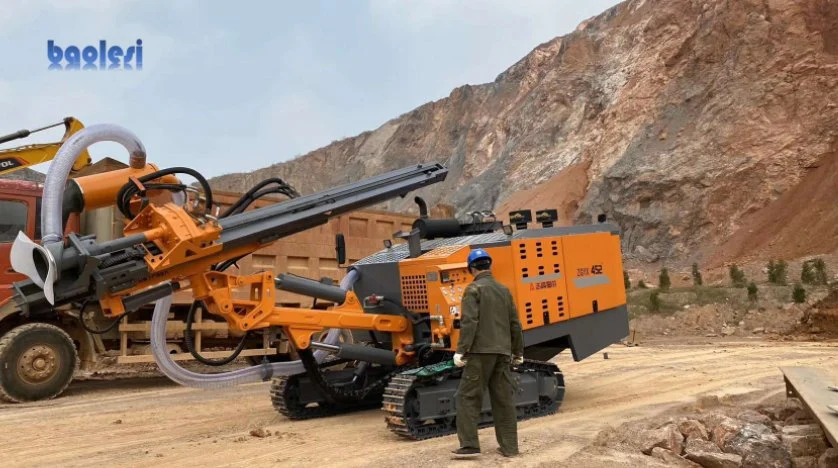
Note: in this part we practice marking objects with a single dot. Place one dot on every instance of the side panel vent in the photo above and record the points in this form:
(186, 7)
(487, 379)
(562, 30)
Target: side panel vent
(415, 293)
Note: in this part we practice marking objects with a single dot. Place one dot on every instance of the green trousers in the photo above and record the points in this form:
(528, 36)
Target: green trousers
(492, 370)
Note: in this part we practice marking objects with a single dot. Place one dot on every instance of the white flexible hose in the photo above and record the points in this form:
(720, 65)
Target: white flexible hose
(255, 373)
(51, 217)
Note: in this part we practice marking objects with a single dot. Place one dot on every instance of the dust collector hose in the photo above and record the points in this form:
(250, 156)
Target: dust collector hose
(51, 217)
(227, 379)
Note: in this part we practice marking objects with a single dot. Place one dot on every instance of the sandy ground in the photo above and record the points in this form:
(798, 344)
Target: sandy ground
(145, 422)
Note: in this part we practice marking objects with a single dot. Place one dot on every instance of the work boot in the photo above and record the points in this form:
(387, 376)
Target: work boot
(507, 454)
(466, 452)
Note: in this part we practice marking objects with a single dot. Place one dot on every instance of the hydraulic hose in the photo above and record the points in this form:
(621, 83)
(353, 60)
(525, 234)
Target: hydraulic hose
(51, 217)
(227, 379)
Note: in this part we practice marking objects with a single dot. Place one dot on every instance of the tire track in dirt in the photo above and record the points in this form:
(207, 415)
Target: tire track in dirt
(186, 427)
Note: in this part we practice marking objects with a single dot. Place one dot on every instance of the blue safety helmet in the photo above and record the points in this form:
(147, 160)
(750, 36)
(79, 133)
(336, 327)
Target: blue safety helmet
(478, 254)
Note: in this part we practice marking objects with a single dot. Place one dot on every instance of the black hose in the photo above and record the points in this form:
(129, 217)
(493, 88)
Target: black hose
(129, 190)
(256, 192)
(190, 316)
(93, 330)
(248, 199)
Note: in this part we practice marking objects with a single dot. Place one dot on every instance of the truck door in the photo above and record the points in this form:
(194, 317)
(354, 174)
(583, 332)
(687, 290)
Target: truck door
(16, 214)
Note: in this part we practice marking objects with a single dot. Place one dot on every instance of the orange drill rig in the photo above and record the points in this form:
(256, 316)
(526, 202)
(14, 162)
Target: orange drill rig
(402, 304)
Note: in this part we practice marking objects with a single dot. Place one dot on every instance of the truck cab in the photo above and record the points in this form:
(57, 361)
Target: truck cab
(20, 210)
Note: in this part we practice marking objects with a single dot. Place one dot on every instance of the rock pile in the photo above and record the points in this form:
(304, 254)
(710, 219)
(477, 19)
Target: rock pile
(781, 436)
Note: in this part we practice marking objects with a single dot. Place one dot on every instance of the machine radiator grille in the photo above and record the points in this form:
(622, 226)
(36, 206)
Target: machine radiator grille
(415, 293)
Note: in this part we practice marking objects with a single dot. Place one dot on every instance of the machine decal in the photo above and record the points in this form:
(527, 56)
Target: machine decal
(588, 281)
(10, 163)
(594, 270)
(542, 278)
(543, 285)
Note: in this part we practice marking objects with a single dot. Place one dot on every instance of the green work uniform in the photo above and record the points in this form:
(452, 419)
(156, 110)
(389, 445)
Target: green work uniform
(490, 335)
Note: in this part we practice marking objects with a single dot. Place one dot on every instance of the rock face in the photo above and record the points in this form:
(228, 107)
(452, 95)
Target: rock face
(691, 123)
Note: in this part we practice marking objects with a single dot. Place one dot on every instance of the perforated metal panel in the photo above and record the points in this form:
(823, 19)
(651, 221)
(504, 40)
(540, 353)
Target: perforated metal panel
(400, 251)
(415, 293)
(442, 252)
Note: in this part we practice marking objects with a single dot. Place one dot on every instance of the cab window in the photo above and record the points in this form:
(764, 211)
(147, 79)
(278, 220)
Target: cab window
(38, 218)
(13, 215)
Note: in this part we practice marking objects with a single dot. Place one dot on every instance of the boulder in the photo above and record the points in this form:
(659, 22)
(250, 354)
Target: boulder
(804, 440)
(692, 428)
(672, 459)
(788, 408)
(668, 437)
(802, 430)
(724, 431)
(829, 459)
(755, 417)
(759, 330)
(759, 447)
(708, 455)
(800, 417)
(804, 462)
(711, 420)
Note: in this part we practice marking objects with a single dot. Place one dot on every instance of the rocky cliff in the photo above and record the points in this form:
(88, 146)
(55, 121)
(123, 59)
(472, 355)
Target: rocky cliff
(685, 121)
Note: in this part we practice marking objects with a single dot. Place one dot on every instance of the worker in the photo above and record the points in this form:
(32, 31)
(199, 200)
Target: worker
(490, 341)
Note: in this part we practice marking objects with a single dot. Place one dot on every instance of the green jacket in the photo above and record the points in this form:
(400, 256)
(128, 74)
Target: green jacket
(490, 323)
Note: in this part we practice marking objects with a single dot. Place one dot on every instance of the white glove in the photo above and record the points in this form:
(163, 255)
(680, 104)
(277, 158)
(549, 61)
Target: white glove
(458, 360)
(518, 360)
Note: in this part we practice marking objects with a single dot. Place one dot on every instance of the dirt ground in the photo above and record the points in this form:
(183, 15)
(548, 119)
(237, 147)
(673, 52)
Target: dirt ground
(137, 422)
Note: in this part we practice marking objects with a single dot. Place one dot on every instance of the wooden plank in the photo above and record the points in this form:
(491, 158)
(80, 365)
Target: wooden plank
(812, 387)
(187, 356)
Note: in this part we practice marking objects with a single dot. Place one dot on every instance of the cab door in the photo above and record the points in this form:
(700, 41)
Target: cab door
(17, 213)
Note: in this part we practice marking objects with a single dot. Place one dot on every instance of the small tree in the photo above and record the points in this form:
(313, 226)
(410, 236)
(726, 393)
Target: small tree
(697, 281)
(642, 285)
(654, 302)
(807, 274)
(737, 277)
(821, 276)
(798, 295)
(772, 271)
(663, 280)
(626, 280)
(781, 272)
(752, 291)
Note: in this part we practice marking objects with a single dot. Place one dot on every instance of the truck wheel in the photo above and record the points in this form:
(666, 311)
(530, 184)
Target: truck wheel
(37, 362)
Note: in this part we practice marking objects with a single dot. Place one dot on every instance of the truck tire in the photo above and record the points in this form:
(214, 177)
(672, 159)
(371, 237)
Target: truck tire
(37, 362)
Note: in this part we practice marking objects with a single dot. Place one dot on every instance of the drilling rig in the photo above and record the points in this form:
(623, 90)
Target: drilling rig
(402, 303)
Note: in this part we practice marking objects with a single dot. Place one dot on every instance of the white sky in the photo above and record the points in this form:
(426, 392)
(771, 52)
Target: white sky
(235, 86)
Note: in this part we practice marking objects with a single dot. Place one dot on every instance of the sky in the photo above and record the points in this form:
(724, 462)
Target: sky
(235, 86)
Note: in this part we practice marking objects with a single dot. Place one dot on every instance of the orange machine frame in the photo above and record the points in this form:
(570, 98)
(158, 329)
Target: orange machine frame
(552, 279)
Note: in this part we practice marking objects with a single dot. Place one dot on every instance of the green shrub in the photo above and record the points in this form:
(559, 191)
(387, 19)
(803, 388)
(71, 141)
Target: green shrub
(772, 268)
(697, 281)
(626, 280)
(807, 273)
(752, 291)
(654, 302)
(799, 294)
(821, 277)
(780, 272)
(663, 280)
(737, 277)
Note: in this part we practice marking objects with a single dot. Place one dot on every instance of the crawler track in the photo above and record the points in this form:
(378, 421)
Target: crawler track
(402, 407)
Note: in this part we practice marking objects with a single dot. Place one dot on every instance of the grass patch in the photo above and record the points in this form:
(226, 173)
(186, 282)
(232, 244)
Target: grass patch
(674, 299)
